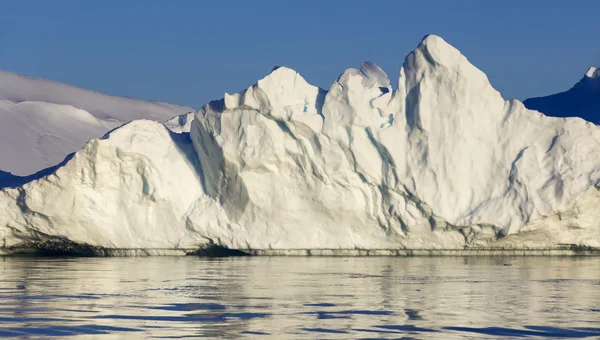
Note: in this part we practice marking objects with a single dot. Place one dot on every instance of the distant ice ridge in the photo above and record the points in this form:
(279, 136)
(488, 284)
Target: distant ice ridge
(43, 121)
(582, 100)
(593, 73)
(440, 163)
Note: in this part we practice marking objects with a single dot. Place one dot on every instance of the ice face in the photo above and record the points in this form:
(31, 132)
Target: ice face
(441, 162)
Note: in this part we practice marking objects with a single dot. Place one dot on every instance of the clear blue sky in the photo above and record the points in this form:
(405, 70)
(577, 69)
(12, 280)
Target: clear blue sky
(190, 52)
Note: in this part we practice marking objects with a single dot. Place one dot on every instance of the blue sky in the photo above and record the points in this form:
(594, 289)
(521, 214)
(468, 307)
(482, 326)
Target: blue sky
(190, 52)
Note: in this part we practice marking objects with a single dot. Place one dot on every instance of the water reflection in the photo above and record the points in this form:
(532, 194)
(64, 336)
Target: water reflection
(301, 297)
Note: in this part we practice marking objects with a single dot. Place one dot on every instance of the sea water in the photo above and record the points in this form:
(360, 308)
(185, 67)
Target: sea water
(300, 297)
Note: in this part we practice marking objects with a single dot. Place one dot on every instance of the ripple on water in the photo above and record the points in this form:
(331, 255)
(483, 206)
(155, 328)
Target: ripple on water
(300, 298)
(62, 330)
(531, 331)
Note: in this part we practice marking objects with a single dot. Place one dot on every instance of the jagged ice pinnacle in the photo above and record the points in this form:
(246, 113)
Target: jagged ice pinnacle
(440, 162)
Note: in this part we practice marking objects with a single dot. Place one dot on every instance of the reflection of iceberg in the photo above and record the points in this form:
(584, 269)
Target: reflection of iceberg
(301, 298)
(441, 163)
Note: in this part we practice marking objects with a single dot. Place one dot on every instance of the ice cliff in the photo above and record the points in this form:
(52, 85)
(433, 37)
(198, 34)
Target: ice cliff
(441, 161)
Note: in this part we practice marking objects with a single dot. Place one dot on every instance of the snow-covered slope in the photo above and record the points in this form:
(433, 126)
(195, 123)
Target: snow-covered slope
(582, 100)
(42, 121)
(181, 123)
(440, 162)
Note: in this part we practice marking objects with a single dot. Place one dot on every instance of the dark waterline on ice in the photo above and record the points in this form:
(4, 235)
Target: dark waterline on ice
(301, 297)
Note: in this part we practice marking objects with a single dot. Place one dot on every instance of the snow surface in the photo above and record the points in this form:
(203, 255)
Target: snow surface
(593, 73)
(582, 100)
(441, 162)
(181, 123)
(42, 121)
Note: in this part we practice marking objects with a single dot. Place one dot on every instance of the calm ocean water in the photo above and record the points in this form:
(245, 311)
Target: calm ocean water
(300, 297)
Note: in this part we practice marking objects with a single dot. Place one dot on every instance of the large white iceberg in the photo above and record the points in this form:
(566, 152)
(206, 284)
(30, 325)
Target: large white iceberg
(441, 162)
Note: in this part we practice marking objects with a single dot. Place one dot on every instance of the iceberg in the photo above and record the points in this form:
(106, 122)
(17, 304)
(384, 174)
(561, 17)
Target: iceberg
(43, 121)
(440, 164)
(582, 100)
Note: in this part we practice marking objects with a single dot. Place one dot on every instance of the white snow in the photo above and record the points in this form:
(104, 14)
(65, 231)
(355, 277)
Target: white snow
(181, 123)
(132, 189)
(593, 73)
(441, 162)
(42, 121)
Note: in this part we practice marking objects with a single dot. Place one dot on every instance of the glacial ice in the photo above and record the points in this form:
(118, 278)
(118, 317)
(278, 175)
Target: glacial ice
(43, 121)
(441, 162)
(582, 100)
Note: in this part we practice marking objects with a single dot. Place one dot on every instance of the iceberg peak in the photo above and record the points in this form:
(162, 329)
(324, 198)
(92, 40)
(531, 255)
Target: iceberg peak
(437, 50)
(593, 73)
(282, 87)
(590, 84)
(280, 73)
